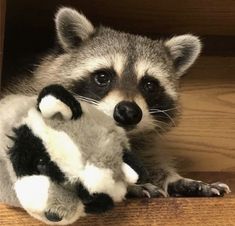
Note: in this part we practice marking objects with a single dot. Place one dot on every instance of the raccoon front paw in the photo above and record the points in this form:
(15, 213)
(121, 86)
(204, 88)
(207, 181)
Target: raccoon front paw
(191, 188)
(145, 190)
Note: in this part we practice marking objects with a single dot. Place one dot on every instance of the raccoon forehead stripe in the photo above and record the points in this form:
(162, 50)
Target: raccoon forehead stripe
(90, 65)
(117, 62)
(144, 67)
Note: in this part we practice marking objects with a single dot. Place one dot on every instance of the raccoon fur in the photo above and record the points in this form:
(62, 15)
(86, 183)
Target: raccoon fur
(132, 79)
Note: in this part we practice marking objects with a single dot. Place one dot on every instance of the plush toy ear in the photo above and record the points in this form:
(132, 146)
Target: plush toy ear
(133, 168)
(72, 28)
(55, 99)
(130, 175)
(184, 50)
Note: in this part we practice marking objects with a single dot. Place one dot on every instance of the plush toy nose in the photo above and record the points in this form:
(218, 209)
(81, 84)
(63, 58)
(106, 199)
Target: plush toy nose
(53, 217)
(127, 113)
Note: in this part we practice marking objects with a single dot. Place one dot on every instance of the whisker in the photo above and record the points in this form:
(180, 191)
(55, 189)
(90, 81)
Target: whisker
(171, 119)
(151, 111)
(160, 127)
(86, 99)
(161, 110)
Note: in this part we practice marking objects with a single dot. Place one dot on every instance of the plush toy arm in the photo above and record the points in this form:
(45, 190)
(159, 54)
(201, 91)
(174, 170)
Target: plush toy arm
(55, 99)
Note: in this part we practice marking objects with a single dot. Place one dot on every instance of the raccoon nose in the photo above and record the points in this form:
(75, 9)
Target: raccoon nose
(127, 113)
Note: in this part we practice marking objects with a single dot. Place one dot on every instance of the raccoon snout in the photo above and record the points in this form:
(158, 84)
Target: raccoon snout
(127, 113)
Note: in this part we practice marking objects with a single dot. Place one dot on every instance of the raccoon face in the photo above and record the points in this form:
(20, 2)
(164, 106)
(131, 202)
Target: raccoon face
(131, 78)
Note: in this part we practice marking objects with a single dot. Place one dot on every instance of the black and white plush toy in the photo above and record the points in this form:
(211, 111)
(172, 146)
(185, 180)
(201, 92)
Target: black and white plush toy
(61, 158)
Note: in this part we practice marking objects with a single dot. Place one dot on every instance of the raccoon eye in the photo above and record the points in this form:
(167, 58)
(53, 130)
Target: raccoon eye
(102, 78)
(150, 86)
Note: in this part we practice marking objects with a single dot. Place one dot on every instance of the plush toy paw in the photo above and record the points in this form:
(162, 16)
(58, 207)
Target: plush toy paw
(55, 98)
(145, 190)
(191, 188)
(94, 203)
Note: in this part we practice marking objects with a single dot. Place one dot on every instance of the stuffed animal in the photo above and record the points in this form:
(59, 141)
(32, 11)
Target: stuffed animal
(61, 158)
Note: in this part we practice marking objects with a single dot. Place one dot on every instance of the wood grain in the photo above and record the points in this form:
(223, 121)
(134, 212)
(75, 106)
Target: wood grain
(2, 23)
(162, 212)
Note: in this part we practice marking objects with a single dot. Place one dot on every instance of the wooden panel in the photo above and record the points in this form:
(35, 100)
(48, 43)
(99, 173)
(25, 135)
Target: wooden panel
(204, 139)
(2, 23)
(30, 26)
(207, 17)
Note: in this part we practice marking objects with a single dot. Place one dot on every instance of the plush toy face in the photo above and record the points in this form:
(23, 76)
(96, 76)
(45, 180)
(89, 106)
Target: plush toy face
(73, 145)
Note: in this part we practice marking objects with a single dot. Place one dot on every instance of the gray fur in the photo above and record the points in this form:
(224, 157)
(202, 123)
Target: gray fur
(101, 141)
(72, 26)
(8, 120)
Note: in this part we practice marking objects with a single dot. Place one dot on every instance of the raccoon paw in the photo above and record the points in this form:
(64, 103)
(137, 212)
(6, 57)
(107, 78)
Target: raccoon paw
(145, 190)
(191, 188)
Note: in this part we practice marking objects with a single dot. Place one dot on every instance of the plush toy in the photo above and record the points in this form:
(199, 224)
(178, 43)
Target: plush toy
(61, 158)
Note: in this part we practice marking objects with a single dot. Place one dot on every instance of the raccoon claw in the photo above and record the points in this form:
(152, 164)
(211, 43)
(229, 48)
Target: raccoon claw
(146, 193)
(145, 190)
(53, 217)
(220, 188)
(192, 188)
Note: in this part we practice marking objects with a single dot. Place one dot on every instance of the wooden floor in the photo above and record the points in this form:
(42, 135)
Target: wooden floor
(204, 144)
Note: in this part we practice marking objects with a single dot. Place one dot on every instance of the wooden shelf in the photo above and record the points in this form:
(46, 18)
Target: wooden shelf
(162, 212)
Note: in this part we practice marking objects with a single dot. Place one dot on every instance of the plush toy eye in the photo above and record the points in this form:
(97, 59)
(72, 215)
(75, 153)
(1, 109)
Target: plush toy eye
(41, 167)
(102, 78)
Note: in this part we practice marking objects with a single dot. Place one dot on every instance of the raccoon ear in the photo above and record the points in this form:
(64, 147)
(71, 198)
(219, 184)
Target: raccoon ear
(72, 27)
(55, 99)
(184, 50)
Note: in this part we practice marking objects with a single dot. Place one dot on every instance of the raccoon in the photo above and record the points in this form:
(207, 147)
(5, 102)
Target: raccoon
(132, 79)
